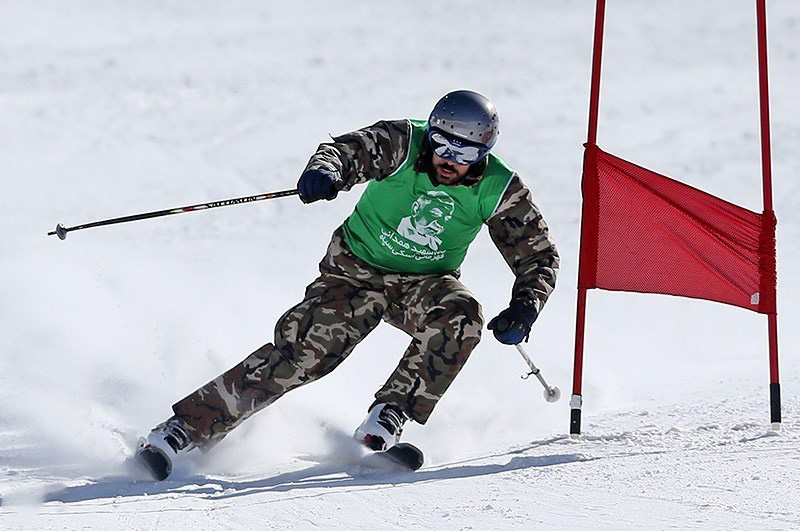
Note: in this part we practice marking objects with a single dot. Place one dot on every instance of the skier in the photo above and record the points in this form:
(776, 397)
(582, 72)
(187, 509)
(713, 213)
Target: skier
(431, 186)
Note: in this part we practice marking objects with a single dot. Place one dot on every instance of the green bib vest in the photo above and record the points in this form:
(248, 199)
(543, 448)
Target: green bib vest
(405, 224)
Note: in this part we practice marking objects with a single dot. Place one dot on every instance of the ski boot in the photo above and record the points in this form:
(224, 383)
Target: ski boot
(167, 440)
(382, 428)
(380, 432)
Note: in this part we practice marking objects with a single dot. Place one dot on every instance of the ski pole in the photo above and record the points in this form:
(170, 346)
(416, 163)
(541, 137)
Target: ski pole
(61, 231)
(551, 394)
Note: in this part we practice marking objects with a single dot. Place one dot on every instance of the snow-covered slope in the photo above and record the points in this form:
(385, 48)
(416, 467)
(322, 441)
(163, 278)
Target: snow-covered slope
(121, 107)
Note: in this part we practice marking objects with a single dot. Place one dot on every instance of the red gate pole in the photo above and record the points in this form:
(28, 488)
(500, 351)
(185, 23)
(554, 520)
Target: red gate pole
(594, 103)
(766, 166)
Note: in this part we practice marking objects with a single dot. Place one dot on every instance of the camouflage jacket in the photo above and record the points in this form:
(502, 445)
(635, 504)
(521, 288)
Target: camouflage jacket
(516, 227)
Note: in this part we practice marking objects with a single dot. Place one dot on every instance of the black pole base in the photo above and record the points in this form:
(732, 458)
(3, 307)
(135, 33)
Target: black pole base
(775, 404)
(575, 423)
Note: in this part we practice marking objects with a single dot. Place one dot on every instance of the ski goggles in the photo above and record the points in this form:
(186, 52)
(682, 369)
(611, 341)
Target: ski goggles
(455, 150)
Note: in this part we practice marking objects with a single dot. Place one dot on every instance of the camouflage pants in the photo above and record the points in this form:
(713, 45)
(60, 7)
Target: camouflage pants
(346, 302)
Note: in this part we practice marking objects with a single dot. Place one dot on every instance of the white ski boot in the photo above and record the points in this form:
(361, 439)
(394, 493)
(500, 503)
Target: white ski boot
(167, 440)
(382, 428)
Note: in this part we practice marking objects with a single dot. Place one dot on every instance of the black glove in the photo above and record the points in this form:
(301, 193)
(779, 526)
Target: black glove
(317, 184)
(513, 324)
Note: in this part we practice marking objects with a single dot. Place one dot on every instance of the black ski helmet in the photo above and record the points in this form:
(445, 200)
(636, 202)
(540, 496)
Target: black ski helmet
(466, 115)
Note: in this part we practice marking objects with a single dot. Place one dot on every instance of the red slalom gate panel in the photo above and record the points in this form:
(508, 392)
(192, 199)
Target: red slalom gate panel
(648, 233)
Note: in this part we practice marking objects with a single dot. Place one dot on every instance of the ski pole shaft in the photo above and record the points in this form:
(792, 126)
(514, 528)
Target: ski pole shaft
(61, 231)
(551, 394)
(534, 370)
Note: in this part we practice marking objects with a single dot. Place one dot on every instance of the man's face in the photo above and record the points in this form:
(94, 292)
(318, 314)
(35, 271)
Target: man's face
(447, 172)
(430, 218)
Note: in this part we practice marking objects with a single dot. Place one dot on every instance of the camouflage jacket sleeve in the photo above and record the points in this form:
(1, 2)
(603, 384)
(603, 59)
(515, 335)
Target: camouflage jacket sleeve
(373, 152)
(521, 234)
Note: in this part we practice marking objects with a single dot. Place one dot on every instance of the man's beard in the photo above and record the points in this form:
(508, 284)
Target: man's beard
(451, 178)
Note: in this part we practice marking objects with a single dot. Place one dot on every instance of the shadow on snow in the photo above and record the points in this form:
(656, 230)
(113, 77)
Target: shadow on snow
(339, 477)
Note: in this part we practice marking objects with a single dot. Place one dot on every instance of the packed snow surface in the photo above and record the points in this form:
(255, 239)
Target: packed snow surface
(114, 108)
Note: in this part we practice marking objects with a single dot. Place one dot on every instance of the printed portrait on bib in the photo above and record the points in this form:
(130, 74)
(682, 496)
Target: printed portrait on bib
(429, 214)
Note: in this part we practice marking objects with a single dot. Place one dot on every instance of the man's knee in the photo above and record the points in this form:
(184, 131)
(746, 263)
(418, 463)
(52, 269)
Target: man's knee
(461, 312)
(466, 305)
(473, 310)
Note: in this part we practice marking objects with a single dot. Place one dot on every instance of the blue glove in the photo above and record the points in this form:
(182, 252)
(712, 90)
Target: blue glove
(317, 184)
(513, 324)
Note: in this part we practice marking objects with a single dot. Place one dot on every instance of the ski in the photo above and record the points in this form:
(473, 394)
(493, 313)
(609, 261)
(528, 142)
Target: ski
(406, 455)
